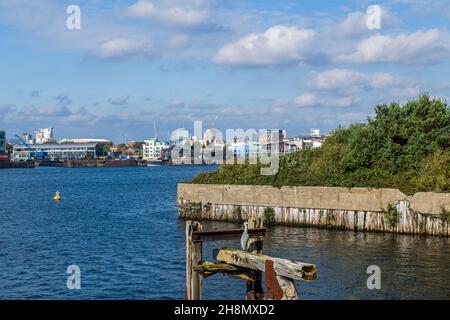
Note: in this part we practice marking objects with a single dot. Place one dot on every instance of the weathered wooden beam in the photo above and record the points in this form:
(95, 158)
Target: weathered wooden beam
(288, 287)
(283, 267)
(208, 269)
(232, 234)
(194, 279)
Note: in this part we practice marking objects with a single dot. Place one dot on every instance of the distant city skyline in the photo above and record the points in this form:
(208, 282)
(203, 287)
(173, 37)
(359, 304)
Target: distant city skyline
(292, 65)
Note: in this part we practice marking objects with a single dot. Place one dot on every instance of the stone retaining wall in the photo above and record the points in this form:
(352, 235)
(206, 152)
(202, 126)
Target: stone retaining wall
(358, 209)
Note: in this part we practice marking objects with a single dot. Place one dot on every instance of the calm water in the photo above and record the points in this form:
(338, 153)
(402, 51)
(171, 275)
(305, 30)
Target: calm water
(120, 226)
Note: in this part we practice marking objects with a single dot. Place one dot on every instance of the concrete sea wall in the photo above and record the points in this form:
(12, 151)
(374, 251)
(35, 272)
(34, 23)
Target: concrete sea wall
(17, 165)
(102, 163)
(359, 209)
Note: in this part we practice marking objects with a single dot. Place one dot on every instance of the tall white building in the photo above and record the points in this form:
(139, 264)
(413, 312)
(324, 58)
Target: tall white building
(152, 149)
(315, 132)
(272, 140)
(44, 136)
(28, 138)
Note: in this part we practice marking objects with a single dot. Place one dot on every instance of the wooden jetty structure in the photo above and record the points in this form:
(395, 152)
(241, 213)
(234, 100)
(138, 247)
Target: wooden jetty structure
(247, 265)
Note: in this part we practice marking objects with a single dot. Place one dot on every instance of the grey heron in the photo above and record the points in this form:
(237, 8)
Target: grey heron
(245, 237)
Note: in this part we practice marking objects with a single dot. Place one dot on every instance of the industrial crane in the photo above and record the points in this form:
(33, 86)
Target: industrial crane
(30, 149)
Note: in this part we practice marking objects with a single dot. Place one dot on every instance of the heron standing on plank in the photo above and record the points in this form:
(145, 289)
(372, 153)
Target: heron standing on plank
(245, 237)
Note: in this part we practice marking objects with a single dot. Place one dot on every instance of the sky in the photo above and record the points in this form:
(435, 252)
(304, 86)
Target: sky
(292, 65)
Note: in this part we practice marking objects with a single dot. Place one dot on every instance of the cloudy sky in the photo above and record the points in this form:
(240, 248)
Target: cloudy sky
(294, 65)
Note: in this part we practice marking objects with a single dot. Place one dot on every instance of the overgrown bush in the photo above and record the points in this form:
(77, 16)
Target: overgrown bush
(404, 147)
(391, 215)
(445, 214)
(237, 212)
(269, 215)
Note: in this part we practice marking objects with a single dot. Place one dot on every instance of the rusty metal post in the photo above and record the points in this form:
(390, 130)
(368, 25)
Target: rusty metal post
(278, 287)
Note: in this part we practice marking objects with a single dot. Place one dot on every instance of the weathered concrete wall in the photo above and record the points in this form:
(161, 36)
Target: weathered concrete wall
(430, 202)
(337, 208)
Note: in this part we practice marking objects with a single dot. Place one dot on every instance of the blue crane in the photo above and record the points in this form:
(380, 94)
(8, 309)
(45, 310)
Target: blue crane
(30, 149)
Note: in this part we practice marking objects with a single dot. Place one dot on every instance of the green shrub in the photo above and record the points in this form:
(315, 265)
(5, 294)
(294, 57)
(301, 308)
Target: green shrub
(445, 214)
(269, 215)
(391, 215)
(237, 212)
(330, 217)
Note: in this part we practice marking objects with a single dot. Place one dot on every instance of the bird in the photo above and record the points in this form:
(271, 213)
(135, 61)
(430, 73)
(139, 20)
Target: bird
(245, 237)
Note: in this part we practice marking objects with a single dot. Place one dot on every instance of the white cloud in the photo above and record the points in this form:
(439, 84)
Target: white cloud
(122, 47)
(103, 33)
(280, 44)
(340, 101)
(178, 41)
(183, 13)
(141, 9)
(63, 100)
(277, 45)
(306, 100)
(314, 100)
(349, 80)
(355, 24)
(408, 92)
(6, 109)
(176, 104)
(420, 47)
(119, 101)
(58, 113)
(36, 94)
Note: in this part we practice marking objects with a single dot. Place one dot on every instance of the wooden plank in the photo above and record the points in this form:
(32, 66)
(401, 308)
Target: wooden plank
(283, 267)
(194, 279)
(208, 269)
(232, 234)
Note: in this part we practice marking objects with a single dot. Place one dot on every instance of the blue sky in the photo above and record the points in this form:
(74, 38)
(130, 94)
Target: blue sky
(294, 65)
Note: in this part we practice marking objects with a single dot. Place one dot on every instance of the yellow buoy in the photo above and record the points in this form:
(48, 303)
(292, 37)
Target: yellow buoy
(57, 196)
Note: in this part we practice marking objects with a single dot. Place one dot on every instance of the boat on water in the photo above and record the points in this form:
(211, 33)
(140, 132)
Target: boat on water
(154, 163)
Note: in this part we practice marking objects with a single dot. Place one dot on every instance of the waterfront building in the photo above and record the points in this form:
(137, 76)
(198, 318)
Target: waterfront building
(2, 141)
(243, 148)
(272, 141)
(58, 152)
(311, 141)
(28, 138)
(316, 144)
(133, 149)
(152, 149)
(85, 140)
(44, 136)
(315, 133)
(166, 153)
(213, 135)
(296, 143)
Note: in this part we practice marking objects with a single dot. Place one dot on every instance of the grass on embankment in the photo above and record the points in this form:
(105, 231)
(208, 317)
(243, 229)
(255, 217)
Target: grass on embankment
(405, 147)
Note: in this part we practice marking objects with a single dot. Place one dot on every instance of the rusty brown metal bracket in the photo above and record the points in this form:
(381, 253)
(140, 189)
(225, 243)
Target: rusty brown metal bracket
(274, 291)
